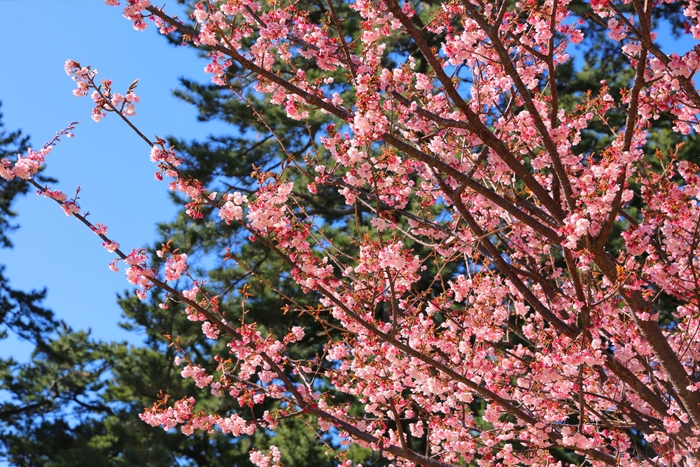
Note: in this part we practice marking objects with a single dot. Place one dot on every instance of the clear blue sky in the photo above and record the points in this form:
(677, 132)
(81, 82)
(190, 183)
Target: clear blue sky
(107, 160)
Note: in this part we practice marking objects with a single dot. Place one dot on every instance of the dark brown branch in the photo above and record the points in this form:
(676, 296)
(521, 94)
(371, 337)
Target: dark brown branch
(341, 38)
(432, 161)
(510, 69)
(630, 127)
(503, 266)
(478, 126)
(446, 169)
(653, 334)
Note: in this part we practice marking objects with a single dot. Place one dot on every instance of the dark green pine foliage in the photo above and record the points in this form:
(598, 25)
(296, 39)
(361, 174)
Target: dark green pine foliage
(27, 391)
(20, 312)
(47, 404)
(224, 163)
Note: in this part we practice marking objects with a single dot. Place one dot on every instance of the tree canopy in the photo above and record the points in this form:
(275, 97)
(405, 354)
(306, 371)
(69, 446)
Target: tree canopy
(457, 245)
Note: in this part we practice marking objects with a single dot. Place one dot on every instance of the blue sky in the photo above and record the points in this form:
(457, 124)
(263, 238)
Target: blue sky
(107, 160)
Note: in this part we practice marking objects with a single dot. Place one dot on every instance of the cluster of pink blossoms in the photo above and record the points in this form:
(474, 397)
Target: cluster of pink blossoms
(24, 167)
(105, 100)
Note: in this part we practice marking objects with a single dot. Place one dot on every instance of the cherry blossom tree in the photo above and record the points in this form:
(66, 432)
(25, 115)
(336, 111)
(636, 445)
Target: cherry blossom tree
(536, 332)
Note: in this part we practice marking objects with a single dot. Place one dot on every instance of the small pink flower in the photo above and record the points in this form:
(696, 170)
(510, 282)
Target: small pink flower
(110, 246)
(70, 208)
